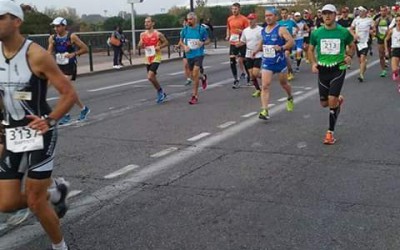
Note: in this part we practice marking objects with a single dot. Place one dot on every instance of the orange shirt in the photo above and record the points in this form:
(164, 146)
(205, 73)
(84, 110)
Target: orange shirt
(150, 41)
(236, 24)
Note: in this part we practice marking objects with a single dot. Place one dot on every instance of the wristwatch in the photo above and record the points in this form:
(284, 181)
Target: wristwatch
(50, 121)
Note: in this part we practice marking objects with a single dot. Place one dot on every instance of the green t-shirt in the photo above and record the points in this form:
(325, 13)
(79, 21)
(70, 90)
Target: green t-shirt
(331, 44)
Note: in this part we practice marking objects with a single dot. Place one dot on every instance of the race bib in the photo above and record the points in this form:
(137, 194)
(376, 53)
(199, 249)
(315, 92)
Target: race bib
(234, 38)
(396, 42)
(23, 95)
(268, 51)
(330, 46)
(249, 53)
(361, 46)
(23, 139)
(193, 43)
(150, 51)
(306, 34)
(382, 29)
(61, 59)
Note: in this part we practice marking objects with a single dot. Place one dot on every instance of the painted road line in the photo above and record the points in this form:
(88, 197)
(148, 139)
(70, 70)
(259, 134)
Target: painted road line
(199, 136)
(126, 187)
(176, 86)
(228, 62)
(176, 73)
(74, 193)
(164, 152)
(52, 98)
(249, 114)
(282, 99)
(226, 124)
(117, 85)
(298, 92)
(271, 105)
(308, 88)
(122, 171)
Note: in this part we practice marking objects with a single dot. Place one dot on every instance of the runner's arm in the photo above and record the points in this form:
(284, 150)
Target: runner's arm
(288, 38)
(50, 47)
(83, 48)
(163, 40)
(140, 44)
(387, 38)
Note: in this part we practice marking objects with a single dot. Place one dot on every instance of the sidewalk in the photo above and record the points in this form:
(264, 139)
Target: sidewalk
(103, 63)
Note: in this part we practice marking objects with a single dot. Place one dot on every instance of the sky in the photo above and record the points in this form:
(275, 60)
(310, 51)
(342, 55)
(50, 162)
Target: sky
(106, 7)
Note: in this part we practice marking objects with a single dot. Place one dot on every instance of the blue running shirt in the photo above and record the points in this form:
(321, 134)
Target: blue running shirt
(190, 36)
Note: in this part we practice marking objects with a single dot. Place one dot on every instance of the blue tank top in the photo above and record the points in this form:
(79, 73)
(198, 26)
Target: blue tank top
(64, 44)
(273, 38)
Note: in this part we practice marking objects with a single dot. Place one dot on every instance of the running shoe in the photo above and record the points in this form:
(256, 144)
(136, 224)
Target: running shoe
(242, 76)
(204, 82)
(84, 113)
(297, 70)
(236, 84)
(61, 206)
(329, 139)
(290, 76)
(383, 73)
(188, 82)
(256, 93)
(360, 78)
(395, 76)
(18, 217)
(66, 119)
(161, 96)
(264, 115)
(193, 100)
(290, 104)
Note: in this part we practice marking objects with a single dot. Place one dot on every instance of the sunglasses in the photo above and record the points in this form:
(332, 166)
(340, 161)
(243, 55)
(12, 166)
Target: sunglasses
(327, 12)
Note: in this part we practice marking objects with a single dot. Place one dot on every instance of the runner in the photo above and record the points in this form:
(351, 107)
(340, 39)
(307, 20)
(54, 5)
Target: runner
(382, 23)
(26, 70)
(392, 46)
(330, 41)
(236, 23)
(186, 69)
(63, 45)
(345, 20)
(275, 41)
(319, 21)
(251, 37)
(361, 28)
(290, 25)
(193, 38)
(308, 20)
(152, 41)
(301, 29)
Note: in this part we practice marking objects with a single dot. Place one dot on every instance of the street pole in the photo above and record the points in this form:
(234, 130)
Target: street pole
(191, 6)
(133, 29)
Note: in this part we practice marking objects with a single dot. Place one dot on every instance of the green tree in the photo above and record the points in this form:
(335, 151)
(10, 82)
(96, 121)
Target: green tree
(112, 22)
(36, 23)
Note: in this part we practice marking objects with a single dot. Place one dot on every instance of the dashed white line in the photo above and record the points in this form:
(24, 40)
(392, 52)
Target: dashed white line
(226, 124)
(282, 99)
(52, 98)
(121, 171)
(249, 114)
(176, 73)
(117, 85)
(271, 105)
(164, 152)
(74, 193)
(308, 88)
(228, 62)
(199, 136)
(298, 92)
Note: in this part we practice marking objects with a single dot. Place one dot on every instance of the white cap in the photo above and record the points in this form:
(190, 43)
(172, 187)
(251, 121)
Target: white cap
(297, 14)
(361, 8)
(329, 7)
(59, 21)
(10, 7)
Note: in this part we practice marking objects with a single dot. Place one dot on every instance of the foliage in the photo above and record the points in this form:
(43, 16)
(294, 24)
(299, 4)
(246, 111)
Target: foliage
(36, 23)
(112, 22)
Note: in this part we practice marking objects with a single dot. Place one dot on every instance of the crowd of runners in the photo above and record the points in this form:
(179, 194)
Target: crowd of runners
(327, 41)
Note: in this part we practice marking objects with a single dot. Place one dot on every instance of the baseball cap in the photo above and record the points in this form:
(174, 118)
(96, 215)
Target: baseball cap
(297, 14)
(10, 7)
(305, 11)
(59, 21)
(361, 8)
(252, 16)
(329, 7)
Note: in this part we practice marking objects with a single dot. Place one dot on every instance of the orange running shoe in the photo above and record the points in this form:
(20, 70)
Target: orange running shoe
(329, 139)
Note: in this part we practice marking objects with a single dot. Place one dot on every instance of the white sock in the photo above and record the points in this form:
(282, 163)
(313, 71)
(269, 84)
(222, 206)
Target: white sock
(55, 195)
(60, 246)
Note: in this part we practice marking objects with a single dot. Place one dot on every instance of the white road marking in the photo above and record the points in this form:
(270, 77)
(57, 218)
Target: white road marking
(271, 105)
(228, 62)
(176, 86)
(121, 171)
(164, 152)
(52, 98)
(125, 188)
(282, 99)
(249, 114)
(199, 136)
(298, 92)
(308, 88)
(176, 73)
(226, 124)
(117, 85)
(74, 193)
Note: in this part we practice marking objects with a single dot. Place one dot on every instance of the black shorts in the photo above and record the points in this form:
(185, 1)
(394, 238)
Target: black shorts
(237, 51)
(380, 41)
(153, 67)
(69, 70)
(362, 52)
(330, 81)
(307, 39)
(39, 163)
(253, 63)
(396, 52)
(195, 61)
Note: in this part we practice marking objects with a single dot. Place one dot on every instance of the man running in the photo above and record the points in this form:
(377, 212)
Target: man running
(330, 41)
(152, 41)
(236, 23)
(275, 40)
(345, 20)
(361, 28)
(251, 37)
(63, 44)
(26, 70)
(392, 47)
(382, 23)
(193, 38)
(301, 29)
(310, 23)
(290, 26)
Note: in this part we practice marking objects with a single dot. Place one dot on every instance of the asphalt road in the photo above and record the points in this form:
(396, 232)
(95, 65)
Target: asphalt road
(214, 176)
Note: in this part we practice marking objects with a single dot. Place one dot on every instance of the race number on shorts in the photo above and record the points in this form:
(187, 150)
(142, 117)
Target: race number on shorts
(23, 139)
(330, 46)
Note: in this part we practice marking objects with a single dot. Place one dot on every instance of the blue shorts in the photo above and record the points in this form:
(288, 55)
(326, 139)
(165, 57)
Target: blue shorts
(279, 67)
(299, 44)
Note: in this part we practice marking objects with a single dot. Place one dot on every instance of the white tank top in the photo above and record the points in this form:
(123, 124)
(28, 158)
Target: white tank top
(395, 38)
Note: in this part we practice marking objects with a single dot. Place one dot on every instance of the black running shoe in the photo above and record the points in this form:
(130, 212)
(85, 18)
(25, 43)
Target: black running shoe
(61, 206)
(236, 84)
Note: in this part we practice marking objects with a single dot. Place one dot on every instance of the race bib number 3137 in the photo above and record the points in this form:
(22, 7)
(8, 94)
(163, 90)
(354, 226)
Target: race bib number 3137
(23, 139)
(330, 46)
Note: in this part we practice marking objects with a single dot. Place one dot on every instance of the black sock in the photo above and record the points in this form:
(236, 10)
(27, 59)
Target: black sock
(233, 68)
(255, 83)
(298, 62)
(333, 115)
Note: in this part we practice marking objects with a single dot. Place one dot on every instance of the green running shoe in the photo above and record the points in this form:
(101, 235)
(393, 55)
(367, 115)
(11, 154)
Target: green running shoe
(383, 73)
(290, 104)
(263, 114)
(256, 93)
